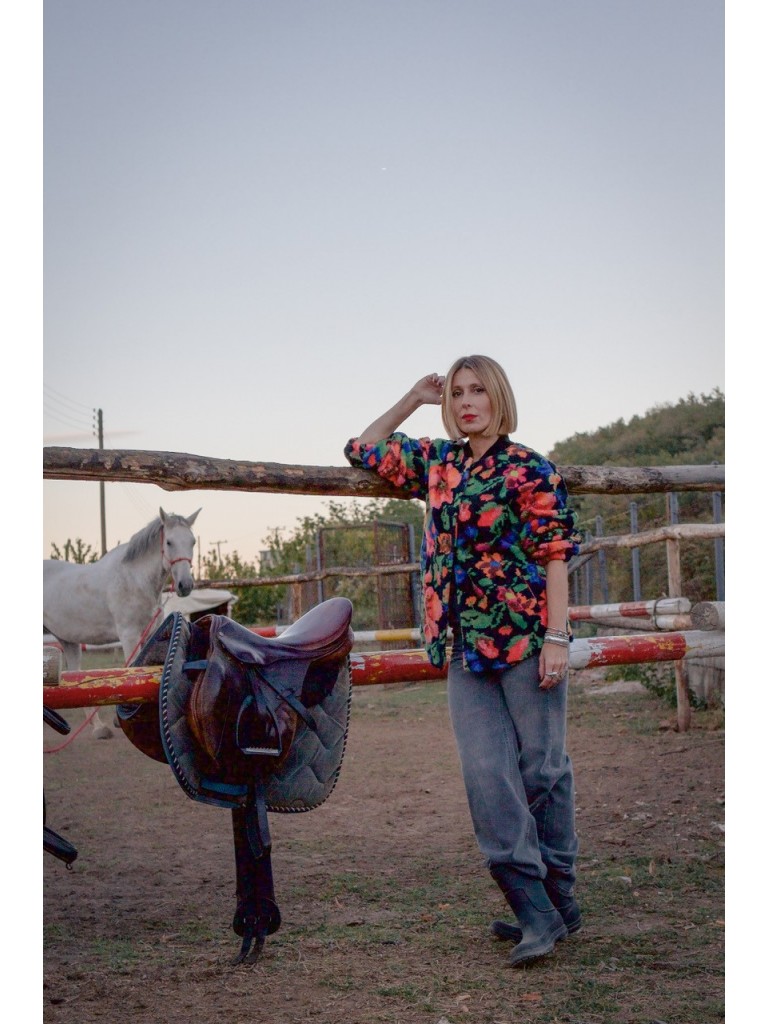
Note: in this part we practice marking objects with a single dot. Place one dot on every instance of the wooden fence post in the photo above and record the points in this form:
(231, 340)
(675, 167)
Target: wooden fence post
(636, 588)
(675, 589)
(717, 517)
(602, 561)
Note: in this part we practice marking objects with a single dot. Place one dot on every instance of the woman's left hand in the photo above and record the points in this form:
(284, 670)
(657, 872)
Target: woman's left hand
(553, 665)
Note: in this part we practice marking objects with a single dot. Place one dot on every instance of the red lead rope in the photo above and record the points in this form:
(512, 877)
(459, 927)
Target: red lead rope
(144, 636)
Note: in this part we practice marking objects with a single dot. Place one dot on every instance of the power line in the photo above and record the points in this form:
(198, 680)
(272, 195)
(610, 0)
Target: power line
(68, 420)
(57, 396)
(130, 493)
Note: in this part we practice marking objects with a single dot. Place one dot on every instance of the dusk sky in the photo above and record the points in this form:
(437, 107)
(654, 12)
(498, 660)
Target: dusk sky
(243, 228)
(264, 221)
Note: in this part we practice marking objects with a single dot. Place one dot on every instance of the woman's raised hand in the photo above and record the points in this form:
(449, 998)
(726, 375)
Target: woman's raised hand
(429, 390)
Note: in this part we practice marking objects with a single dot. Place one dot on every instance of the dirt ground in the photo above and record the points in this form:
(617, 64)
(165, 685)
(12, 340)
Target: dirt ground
(384, 898)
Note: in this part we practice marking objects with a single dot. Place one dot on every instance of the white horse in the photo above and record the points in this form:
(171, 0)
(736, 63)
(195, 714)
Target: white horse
(117, 599)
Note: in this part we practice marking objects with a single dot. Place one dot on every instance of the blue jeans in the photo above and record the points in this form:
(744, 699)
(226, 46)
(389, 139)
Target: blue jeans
(518, 777)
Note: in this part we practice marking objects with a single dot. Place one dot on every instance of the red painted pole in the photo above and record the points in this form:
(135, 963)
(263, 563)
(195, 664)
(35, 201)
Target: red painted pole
(137, 685)
(104, 686)
(393, 667)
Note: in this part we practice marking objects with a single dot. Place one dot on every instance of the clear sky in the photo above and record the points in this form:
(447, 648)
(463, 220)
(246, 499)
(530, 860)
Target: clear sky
(265, 220)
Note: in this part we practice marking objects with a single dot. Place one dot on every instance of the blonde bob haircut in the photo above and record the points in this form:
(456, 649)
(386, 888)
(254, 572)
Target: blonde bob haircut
(499, 391)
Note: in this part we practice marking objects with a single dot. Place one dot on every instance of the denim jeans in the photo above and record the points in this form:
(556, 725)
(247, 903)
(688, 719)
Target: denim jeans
(518, 777)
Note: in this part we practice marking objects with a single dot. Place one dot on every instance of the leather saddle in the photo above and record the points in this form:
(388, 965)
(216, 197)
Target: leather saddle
(252, 724)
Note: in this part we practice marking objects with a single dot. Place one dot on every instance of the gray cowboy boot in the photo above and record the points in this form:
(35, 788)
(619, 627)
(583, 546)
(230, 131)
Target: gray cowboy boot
(540, 923)
(565, 903)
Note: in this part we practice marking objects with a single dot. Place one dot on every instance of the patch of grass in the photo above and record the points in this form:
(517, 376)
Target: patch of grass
(117, 953)
(408, 992)
(198, 931)
(393, 699)
(103, 659)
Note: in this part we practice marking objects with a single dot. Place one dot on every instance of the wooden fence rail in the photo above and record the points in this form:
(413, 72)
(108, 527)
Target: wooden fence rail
(178, 471)
(682, 531)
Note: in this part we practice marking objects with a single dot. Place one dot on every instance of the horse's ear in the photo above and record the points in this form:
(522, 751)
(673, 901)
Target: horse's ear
(193, 517)
(162, 517)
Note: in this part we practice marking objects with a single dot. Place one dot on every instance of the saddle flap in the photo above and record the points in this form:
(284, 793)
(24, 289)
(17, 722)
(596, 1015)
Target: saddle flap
(242, 720)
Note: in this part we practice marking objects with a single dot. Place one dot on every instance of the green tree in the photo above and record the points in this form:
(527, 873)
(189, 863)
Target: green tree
(254, 605)
(77, 551)
(688, 432)
(348, 540)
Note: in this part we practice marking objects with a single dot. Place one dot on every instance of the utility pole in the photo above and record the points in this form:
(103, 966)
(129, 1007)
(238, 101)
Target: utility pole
(102, 501)
(218, 544)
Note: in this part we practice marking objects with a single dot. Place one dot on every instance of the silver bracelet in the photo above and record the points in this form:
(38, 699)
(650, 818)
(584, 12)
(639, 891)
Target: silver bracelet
(556, 640)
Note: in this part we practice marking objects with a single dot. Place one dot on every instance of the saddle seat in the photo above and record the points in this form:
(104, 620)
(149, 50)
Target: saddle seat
(318, 635)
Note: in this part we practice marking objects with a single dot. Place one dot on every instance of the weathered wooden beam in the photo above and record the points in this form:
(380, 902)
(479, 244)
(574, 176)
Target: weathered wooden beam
(310, 577)
(670, 534)
(179, 471)
(642, 479)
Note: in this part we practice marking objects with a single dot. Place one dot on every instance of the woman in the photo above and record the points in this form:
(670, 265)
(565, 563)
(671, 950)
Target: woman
(498, 533)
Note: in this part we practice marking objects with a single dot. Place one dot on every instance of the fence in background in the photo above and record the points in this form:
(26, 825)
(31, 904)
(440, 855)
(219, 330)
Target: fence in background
(178, 471)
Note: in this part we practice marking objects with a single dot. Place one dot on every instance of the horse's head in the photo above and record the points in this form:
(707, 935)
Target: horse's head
(178, 545)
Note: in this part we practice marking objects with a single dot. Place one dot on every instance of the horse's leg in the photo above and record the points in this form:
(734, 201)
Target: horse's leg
(72, 659)
(100, 729)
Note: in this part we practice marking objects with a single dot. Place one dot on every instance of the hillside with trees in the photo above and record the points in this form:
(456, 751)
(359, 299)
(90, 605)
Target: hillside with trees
(690, 432)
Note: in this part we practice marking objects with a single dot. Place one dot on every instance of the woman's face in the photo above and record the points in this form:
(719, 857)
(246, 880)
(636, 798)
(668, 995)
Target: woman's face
(470, 403)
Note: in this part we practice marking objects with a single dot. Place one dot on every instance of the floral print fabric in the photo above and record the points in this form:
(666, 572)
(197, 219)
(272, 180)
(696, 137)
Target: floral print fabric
(490, 528)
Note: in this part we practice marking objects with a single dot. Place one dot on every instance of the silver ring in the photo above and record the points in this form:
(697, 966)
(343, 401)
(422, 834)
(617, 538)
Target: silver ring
(553, 675)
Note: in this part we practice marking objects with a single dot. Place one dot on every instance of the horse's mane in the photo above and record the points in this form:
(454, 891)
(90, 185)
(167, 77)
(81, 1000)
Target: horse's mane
(149, 537)
(141, 542)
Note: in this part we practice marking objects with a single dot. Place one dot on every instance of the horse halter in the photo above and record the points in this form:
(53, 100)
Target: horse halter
(168, 563)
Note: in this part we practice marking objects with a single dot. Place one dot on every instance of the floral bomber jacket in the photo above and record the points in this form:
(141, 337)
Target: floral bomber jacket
(490, 528)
